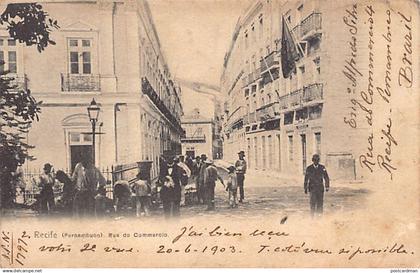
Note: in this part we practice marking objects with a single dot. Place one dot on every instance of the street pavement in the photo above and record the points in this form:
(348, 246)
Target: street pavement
(264, 196)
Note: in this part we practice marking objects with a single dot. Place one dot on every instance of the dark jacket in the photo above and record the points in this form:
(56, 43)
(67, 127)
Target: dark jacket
(314, 178)
(169, 193)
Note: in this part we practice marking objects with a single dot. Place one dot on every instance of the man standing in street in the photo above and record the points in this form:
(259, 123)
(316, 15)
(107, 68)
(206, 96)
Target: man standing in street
(47, 181)
(240, 167)
(88, 179)
(314, 183)
(201, 190)
(210, 177)
(170, 192)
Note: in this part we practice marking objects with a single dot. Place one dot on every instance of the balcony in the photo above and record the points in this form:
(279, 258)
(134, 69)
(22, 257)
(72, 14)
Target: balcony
(251, 77)
(284, 102)
(308, 26)
(250, 118)
(295, 98)
(16, 81)
(309, 93)
(313, 92)
(193, 139)
(268, 111)
(80, 83)
(269, 62)
(148, 90)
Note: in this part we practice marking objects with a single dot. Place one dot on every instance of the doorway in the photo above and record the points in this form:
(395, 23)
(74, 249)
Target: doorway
(303, 141)
(191, 154)
(79, 152)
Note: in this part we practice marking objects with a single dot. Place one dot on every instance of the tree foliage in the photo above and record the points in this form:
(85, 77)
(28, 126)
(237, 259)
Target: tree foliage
(27, 23)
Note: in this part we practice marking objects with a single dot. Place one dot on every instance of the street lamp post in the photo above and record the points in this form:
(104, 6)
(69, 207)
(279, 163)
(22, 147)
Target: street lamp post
(93, 112)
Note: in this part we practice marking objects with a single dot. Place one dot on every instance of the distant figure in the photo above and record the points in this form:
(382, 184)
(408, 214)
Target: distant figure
(47, 179)
(201, 191)
(232, 187)
(184, 178)
(314, 176)
(210, 177)
(142, 190)
(240, 166)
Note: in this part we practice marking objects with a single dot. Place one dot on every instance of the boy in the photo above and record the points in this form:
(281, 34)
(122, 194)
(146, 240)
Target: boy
(142, 190)
(232, 187)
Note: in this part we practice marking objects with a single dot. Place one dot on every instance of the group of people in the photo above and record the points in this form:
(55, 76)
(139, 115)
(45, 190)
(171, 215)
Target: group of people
(176, 172)
(83, 192)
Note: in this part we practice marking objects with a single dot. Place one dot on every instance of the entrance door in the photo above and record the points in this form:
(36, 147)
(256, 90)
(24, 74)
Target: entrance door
(191, 154)
(303, 140)
(78, 152)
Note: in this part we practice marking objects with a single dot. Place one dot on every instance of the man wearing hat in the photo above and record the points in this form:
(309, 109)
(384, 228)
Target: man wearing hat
(210, 177)
(201, 192)
(240, 166)
(314, 183)
(47, 179)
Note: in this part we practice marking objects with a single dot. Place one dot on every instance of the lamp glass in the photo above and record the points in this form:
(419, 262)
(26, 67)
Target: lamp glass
(93, 110)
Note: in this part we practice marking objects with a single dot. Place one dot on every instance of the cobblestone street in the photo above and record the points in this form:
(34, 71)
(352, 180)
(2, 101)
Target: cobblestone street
(264, 196)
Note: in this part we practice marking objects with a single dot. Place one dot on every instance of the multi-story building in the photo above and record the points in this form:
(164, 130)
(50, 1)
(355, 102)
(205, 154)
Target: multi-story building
(109, 51)
(199, 135)
(281, 121)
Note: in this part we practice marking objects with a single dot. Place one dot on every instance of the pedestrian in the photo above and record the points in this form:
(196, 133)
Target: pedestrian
(88, 180)
(314, 184)
(184, 178)
(142, 190)
(232, 187)
(170, 192)
(210, 177)
(201, 190)
(47, 180)
(240, 166)
(68, 190)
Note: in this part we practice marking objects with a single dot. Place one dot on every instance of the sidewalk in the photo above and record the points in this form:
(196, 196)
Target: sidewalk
(265, 178)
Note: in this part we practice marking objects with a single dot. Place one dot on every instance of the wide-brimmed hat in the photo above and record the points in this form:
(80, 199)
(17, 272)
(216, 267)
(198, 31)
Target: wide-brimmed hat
(208, 161)
(241, 153)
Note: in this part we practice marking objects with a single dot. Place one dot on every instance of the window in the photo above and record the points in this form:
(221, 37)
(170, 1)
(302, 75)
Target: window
(290, 146)
(261, 27)
(318, 143)
(8, 55)
(80, 56)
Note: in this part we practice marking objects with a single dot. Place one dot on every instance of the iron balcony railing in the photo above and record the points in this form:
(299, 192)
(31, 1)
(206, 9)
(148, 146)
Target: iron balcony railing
(269, 61)
(148, 90)
(250, 118)
(268, 111)
(311, 24)
(19, 82)
(311, 92)
(80, 83)
(192, 139)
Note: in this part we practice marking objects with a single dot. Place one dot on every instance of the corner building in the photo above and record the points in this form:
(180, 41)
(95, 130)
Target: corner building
(110, 51)
(281, 122)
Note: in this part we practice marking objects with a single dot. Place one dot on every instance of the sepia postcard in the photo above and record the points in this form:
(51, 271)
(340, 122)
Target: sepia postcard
(209, 133)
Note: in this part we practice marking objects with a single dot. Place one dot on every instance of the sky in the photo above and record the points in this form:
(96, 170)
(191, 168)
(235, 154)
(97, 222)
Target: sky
(195, 35)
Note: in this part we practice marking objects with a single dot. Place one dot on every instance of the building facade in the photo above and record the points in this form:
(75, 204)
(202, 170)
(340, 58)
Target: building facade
(281, 121)
(199, 136)
(109, 51)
